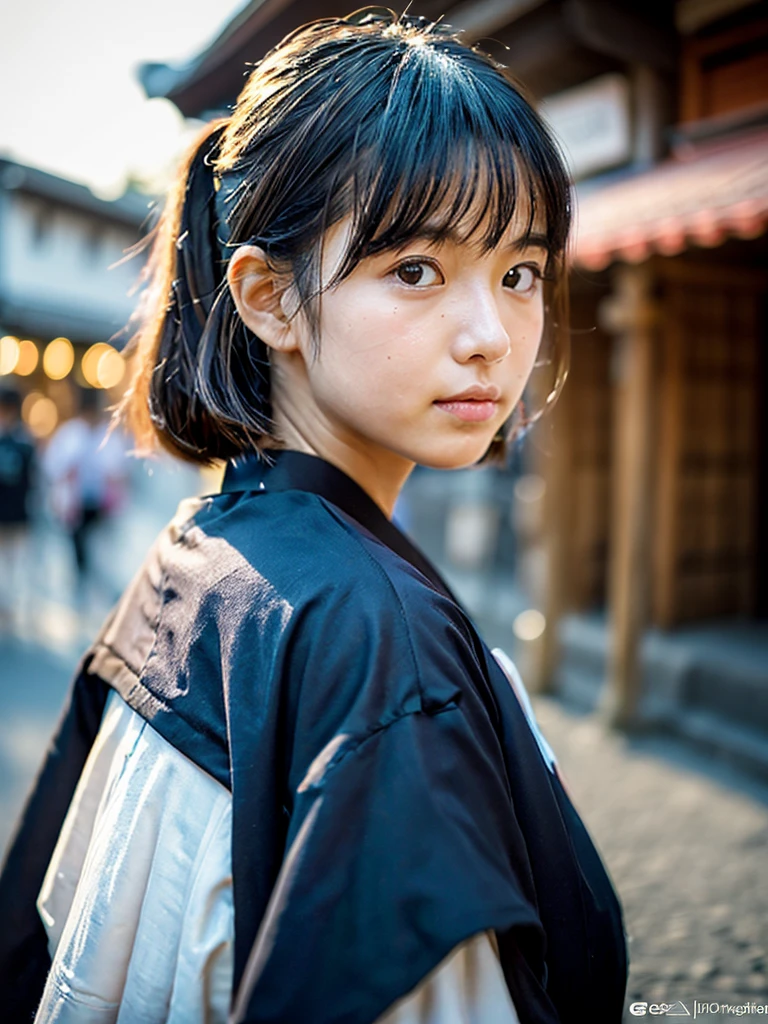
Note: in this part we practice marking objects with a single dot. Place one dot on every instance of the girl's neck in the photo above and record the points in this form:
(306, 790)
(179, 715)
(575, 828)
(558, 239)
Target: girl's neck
(306, 423)
(380, 473)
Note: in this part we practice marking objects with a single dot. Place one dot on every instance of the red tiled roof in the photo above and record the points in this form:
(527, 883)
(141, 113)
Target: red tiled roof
(700, 197)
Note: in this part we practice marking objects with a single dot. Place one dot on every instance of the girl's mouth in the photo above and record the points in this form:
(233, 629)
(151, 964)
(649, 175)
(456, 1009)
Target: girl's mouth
(470, 410)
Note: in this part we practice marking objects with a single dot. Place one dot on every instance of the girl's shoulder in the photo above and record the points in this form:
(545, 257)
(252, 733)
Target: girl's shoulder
(269, 600)
(303, 547)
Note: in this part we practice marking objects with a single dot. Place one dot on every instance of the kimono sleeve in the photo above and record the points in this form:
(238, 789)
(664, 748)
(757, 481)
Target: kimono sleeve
(403, 843)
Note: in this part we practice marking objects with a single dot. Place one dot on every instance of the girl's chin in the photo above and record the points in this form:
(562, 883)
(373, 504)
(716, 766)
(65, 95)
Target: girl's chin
(458, 457)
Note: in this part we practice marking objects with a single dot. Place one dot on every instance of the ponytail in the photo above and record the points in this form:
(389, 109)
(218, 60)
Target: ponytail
(201, 386)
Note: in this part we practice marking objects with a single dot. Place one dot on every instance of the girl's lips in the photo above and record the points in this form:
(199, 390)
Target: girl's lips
(471, 410)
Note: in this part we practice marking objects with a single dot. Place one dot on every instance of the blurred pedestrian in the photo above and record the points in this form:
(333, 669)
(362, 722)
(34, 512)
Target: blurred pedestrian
(17, 459)
(293, 783)
(86, 472)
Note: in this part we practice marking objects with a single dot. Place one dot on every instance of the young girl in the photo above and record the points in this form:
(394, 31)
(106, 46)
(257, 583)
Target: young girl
(292, 783)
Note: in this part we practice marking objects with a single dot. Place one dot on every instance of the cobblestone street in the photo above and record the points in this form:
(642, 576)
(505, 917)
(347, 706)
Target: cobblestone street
(685, 840)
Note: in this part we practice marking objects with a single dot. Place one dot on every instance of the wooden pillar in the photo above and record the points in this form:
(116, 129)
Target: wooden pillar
(671, 410)
(630, 315)
(558, 475)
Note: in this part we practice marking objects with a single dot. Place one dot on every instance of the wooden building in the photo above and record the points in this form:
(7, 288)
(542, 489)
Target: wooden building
(663, 421)
(657, 494)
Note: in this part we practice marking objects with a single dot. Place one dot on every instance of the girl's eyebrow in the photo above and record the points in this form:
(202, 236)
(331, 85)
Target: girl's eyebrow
(532, 241)
(437, 235)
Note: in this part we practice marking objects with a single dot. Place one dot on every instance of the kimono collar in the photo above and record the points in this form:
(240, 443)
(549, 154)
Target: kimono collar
(299, 471)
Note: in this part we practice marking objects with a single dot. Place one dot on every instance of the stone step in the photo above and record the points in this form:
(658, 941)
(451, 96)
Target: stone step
(710, 688)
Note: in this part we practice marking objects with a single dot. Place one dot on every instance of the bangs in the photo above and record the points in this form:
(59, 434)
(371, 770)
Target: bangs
(452, 159)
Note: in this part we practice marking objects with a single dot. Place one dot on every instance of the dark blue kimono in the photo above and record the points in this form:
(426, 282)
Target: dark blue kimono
(389, 797)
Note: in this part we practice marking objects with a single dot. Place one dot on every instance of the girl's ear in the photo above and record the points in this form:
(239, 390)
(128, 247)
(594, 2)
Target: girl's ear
(261, 298)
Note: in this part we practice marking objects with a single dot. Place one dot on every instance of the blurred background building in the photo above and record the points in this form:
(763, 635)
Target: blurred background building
(65, 289)
(625, 555)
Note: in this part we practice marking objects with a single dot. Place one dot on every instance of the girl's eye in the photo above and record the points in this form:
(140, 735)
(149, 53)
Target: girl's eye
(523, 278)
(418, 274)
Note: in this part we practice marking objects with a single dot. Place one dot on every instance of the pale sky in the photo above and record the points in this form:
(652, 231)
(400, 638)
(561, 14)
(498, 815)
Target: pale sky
(70, 101)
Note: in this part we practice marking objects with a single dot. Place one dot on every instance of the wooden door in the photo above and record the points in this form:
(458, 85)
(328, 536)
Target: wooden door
(705, 528)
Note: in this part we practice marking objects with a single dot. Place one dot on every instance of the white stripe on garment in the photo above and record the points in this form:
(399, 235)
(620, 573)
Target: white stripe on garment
(468, 987)
(137, 900)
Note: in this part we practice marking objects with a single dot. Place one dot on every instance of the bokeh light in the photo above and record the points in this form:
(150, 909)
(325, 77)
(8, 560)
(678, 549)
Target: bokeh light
(529, 488)
(90, 362)
(40, 414)
(58, 358)
(529, 625)
(102, 366)
(29, 357)
(111, 369)
(9, 353)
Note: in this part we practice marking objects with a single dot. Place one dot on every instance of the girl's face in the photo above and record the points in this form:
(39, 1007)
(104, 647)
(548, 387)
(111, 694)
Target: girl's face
(422, 356)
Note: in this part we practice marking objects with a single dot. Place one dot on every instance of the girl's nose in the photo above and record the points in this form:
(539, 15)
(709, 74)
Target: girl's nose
(482, 334)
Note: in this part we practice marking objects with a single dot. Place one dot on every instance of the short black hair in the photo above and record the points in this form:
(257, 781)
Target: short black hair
(390, 119)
